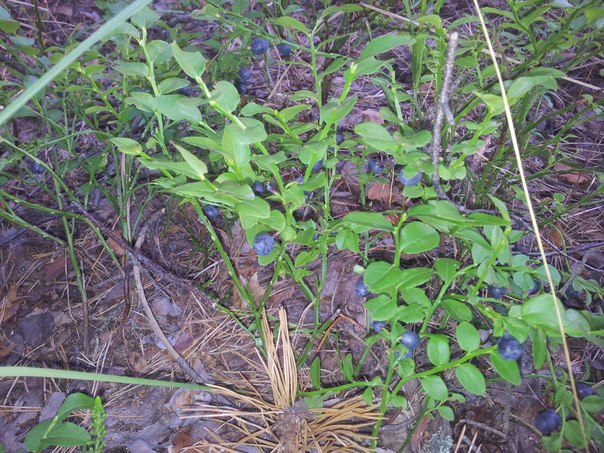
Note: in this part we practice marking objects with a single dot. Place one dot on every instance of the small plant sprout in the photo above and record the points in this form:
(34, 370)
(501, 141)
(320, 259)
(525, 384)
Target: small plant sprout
(548, 421)
(509, 348)
(264, 244)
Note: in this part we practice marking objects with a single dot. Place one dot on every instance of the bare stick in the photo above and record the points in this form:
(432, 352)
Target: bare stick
(147, 263)
(442, 110)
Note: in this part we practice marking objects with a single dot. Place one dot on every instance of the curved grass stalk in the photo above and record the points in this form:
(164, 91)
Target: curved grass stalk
(50, 373)
(57, 69)
(534, 223)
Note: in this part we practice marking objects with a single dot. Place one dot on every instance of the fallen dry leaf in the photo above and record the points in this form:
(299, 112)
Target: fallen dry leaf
(384, 193)
(10, 304)
(570, 175)
(55, 268)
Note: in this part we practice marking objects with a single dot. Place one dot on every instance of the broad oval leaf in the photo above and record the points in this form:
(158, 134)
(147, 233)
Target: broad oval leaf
(467, 337)
(381, 276)
(385, 43)
(471, 379)
(192, 63)
(438, 349)
(225, 95)
(435, 387)
(381, 308)
(507, 369)
(360, 222)
(418, 237)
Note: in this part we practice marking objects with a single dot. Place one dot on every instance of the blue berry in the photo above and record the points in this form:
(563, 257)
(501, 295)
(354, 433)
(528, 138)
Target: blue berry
(548, 421)
(210, 211)
(259, 46)
(583, 390)
(410, 339)
(406, 355)
(496, 292)
(264, 244)
(360, 289)
(269, 186)
(535, 289)
(318, 166)
(245, 74)
(378, 325)
(412, 181)
(186, 91)
(509, 347)
(339, 138)
(241, 86)
(284, 49)
(374, 167)
(258, 188)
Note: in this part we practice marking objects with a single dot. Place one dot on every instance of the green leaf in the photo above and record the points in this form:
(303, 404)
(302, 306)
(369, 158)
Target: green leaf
(225, 95)
(171, 84)
(127, 145)
(418, 237)
(375, 135)
(467, 336)
(507, 369)
(9, 26)
(347, 367)
(64, 434)
(593, 404)
(438, 349)
(572, 433)
(385, 43)
(75, 401)
(145, 18)
(435, 387)
(198, 166)
(361, 222)
(493, 102)
(381, 276)
(290, 22)
(446, 268)
(252, 109)
(381, 308)
(250, 212)
(523, 85)
(315, 372)
(334, 111)
(471, 379)
(447, 413)
(414, 277)
(539, 311)
(178, 107)
(368, 396)
(132, 69)
(192, 63)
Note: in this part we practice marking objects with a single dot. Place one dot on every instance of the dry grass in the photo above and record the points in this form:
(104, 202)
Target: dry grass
(279, 422)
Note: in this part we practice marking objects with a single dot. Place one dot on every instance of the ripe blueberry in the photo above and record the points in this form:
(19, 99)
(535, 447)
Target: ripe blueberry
(339, 138)
(210, 211)
(245, 74)
(535, 289)
(374, 167)
(360, 289)
(241, 86)
(258, 188)
(264, 244)
(259, 46)
(583, 390)
(377, 325)
(318, 166)
(406, 355)
(284, 49)
(509, 347)
(410, 339)
(496, 292)
(548, 421)
(186, 91)
(412, 181)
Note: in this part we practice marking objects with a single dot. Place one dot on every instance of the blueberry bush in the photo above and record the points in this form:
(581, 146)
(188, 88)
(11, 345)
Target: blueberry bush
(461, 301)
